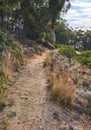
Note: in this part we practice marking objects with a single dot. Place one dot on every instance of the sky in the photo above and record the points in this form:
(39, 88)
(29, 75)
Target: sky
(79, 14)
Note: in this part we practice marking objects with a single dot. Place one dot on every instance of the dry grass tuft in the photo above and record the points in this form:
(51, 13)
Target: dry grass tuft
(47, 60)
(62, 85)
(75, 79)
(62, 90)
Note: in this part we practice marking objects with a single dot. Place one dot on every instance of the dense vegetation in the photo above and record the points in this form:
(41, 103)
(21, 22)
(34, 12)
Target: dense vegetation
(11, 57)
(78, 38)
(31, 17)
(83, 57)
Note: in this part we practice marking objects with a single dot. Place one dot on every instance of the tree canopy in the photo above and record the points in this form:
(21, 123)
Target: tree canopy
(30, 16)
(79, 39)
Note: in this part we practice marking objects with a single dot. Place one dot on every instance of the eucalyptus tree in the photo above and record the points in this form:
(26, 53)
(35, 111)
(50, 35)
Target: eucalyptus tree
(36, 15)
(55, 7)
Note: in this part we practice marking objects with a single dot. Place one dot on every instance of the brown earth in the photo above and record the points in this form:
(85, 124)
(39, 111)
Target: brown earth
(29, 107)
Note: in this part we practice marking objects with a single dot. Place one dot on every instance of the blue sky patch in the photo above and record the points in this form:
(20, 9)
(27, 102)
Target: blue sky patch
(79, 14)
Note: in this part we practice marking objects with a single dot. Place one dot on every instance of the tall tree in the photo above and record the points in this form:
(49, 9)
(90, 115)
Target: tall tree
(55, 7)
(36, 15)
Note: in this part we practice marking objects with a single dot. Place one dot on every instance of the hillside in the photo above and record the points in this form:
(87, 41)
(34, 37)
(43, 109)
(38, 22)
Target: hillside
(30, 103)
(45, 67)
(70, 90)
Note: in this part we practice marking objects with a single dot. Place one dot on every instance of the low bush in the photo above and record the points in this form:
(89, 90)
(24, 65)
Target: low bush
(57, 45)
(11, 57)
(3, 89)
(85, 58)
(48, 44)
(67, 51)
(61, 90)
(61, 85)
(86, 54)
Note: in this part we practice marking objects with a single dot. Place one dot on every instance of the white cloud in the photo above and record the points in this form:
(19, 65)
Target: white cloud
(81, 4)
(79, 14)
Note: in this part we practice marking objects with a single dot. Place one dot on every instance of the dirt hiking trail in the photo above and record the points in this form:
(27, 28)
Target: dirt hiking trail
(29, 106)
(30, 109)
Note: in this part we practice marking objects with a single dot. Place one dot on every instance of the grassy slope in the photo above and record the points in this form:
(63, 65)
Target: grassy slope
(69, 81)
(11, 57)
(12, 54)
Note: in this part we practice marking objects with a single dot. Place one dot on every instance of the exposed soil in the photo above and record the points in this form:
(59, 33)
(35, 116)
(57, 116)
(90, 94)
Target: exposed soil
(29, 106)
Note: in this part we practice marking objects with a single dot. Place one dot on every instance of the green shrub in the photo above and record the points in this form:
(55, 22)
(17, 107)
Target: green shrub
(86, 54)
(43, 35)
(11, 57)
(19, 56)
(48, 44)
(3, 89)
(85, 58)
(67, 51)
(57, 45)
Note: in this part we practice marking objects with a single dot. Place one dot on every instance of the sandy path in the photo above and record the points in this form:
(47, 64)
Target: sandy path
(30, 109)
(29, 96)
(29, 106)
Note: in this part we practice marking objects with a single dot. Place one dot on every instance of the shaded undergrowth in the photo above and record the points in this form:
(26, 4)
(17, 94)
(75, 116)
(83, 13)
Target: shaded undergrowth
(11, 58)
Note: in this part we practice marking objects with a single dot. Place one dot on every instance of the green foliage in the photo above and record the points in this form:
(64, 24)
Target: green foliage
(55, 6)
(43, 35)
(11, 54)
(48, 44)
(3, 89)
(34, 14)
(57, 45)
(67, 51)
(80, 39)
(85, 58)
(62, 33)
(11, 57)
(86, 54)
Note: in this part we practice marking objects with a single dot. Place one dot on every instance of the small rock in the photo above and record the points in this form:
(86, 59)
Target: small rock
(41, 128)
(12, 114)
(71, 127)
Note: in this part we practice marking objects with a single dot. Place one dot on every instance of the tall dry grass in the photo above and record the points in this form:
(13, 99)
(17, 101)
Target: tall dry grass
(11, 58)
(62, 85)
(62, 89)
